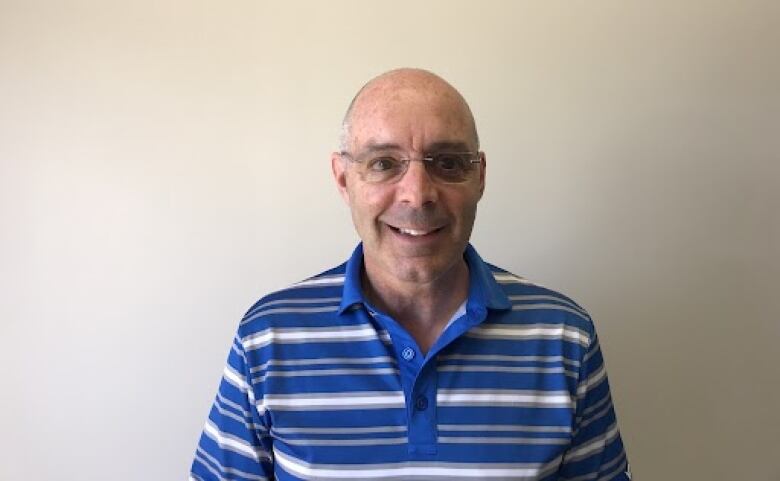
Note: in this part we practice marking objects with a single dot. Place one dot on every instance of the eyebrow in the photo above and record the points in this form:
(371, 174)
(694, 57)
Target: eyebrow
(380, 146)
(454, 146)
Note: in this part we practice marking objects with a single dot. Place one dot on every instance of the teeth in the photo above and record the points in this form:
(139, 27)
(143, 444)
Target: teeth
(413, 231)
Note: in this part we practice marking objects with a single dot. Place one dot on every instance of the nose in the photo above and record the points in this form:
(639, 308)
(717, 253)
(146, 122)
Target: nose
(416, 188)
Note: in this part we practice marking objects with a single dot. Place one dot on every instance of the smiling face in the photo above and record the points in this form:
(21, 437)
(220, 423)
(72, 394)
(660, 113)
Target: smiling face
(415, 229)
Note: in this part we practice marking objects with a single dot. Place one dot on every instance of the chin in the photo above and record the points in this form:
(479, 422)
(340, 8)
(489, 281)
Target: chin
(418, 270)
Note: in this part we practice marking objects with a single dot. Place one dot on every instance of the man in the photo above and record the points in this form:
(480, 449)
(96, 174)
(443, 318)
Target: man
(415, 359)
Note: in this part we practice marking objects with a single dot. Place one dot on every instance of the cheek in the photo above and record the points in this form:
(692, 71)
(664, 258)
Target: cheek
(369, 202)
(365, 206)
(464, 210)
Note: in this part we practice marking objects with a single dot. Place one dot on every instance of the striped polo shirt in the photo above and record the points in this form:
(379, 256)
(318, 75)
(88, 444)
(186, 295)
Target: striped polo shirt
(320, 385)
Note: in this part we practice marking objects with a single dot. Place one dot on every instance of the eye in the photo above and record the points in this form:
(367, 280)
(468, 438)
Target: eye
(382, 164)
(449, 162)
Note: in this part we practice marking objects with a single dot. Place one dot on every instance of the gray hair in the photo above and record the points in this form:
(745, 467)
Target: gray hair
(346, 122)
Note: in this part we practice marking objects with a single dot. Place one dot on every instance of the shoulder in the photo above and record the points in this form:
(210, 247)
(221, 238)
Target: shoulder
(307, 301)
(533, 303)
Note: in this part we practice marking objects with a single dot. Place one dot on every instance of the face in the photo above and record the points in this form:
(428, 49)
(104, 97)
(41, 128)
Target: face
(416, 229)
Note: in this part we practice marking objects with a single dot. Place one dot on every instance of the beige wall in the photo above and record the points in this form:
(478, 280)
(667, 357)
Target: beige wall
(164, 163)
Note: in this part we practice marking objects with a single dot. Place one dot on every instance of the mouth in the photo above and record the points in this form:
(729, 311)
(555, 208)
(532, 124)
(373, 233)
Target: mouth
(415, 233)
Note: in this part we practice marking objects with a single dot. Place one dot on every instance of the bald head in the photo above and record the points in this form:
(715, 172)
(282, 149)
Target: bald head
(405, 85)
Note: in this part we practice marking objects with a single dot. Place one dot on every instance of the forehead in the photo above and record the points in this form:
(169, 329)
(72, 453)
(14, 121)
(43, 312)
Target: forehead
(410, 116)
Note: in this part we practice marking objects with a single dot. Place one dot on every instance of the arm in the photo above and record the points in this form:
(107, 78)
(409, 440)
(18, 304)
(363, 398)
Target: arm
(235, 443)
(596, 451)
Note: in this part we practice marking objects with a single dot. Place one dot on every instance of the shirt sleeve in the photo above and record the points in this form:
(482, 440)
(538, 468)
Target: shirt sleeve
(235, 443)
(596, 451)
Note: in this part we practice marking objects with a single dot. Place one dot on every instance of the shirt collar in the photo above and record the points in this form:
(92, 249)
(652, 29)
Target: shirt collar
(484, 291)
(352, 293)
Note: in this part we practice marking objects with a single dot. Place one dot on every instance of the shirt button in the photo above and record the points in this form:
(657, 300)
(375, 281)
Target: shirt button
(407, 353)
(421, 403)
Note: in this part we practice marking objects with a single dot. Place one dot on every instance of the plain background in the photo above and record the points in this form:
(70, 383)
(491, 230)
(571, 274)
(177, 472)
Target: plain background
(165, 163)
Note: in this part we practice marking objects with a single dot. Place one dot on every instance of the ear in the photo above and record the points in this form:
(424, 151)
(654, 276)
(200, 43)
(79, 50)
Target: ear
(338, 165)
(482, 172)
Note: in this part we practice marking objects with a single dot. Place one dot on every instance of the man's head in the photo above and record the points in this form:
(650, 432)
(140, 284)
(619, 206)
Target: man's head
(414, 225)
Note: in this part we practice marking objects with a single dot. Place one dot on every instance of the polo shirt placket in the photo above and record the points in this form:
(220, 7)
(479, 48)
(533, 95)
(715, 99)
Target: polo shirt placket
(418, 380)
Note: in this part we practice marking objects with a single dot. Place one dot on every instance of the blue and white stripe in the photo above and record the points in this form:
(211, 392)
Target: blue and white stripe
(316, 388)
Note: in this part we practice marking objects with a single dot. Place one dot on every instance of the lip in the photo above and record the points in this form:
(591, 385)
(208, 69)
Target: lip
(431, 234)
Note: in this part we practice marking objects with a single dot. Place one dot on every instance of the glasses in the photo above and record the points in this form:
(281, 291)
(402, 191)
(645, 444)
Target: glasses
(445, 167)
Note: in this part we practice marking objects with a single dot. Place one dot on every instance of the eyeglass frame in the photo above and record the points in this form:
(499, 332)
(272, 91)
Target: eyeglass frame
(476, 157)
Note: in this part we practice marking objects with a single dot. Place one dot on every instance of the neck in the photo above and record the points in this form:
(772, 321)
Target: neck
(422, 308)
